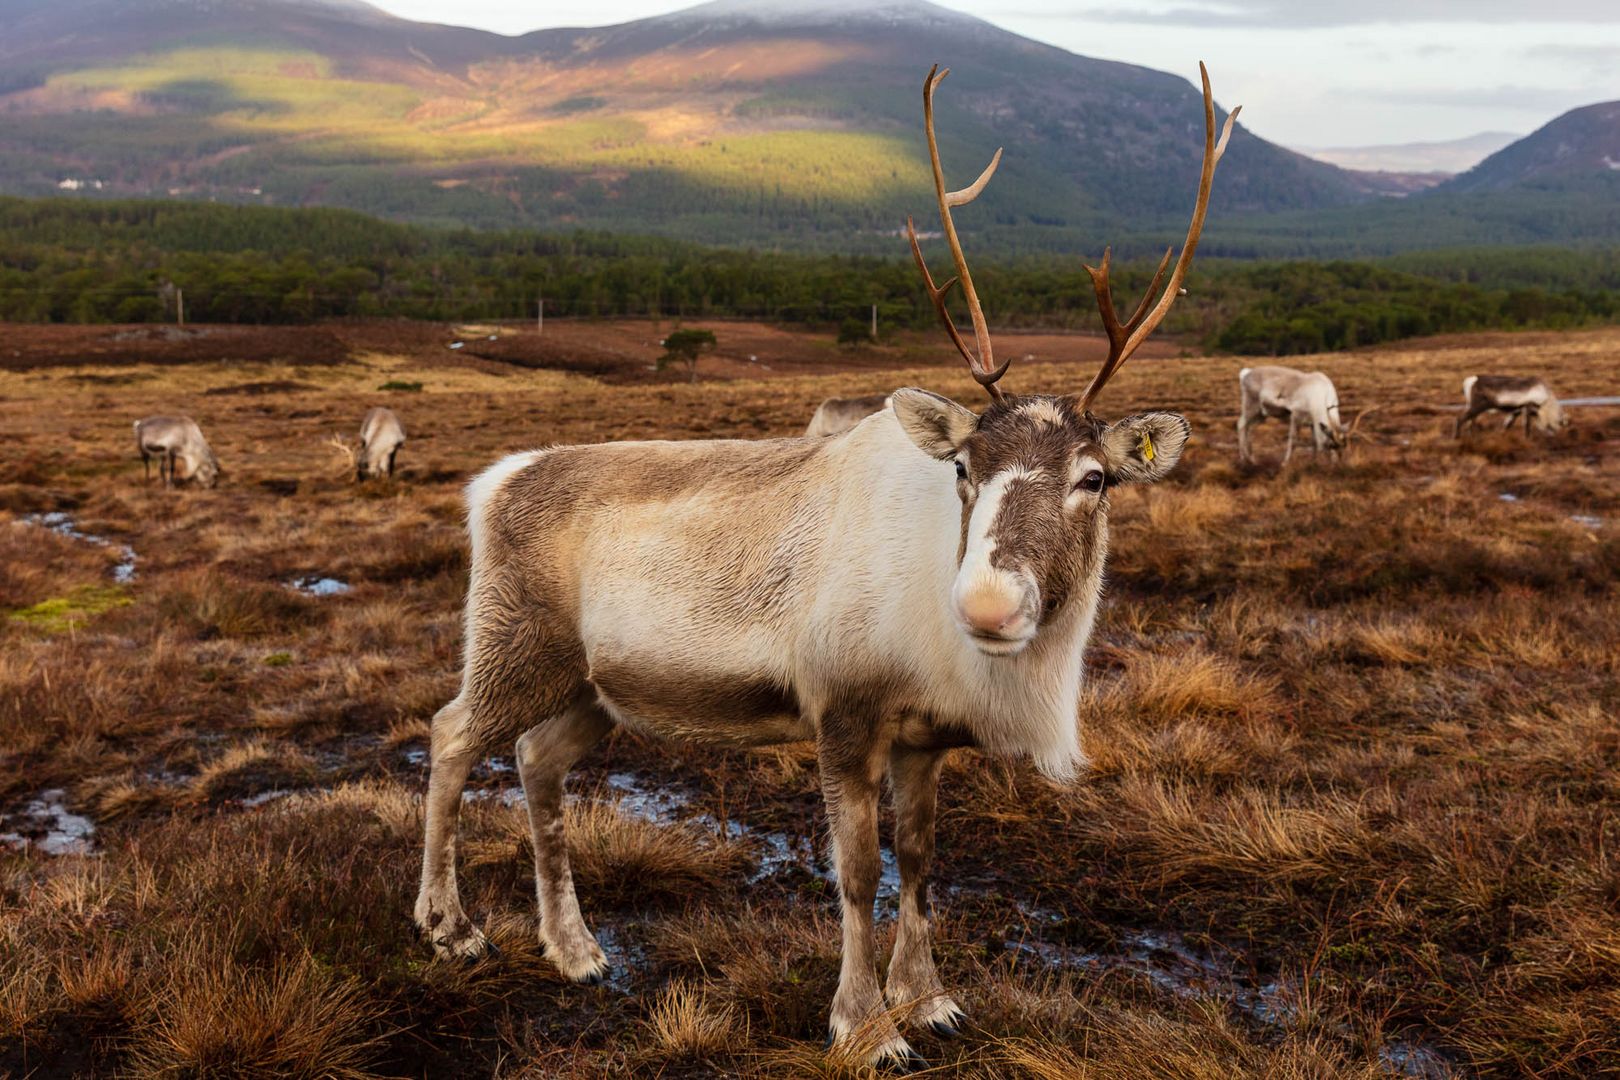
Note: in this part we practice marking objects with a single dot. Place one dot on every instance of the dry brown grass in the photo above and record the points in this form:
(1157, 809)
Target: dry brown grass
(1353, 736)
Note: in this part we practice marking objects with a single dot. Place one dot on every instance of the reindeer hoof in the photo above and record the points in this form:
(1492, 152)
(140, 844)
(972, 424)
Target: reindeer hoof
(489, 951)
(904, 1063)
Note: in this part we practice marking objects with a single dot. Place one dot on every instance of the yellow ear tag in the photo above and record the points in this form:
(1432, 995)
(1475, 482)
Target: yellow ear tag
(1147, 446)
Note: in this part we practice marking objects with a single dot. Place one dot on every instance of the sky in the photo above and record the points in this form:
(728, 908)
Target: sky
(1308, 73)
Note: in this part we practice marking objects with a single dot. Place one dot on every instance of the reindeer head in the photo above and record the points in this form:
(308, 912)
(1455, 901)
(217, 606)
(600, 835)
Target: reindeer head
(1033, 472)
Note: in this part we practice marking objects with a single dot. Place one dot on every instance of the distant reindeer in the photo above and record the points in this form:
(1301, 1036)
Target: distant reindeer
(1283, 392)
(381, 436)
(837, 415)
(181, 451)
(927, 581)
(1515, 395)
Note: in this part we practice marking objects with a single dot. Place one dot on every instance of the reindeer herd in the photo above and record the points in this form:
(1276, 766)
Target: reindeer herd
(184, 456)
(912, 577)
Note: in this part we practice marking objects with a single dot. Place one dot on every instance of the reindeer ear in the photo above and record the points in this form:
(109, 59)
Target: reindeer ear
(936, 424)
(1142, 449)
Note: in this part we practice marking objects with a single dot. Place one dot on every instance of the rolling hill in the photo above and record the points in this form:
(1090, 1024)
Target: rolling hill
(792, 124)
(1580, 149)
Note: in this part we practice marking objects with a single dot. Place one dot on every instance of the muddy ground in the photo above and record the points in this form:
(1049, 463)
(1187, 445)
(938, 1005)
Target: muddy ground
(1355, 763)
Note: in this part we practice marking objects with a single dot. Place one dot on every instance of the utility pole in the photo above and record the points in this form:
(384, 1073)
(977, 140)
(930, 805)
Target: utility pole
(874, 322)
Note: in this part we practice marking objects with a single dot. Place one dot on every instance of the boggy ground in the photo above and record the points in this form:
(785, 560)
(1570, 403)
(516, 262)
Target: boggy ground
(1352, 807)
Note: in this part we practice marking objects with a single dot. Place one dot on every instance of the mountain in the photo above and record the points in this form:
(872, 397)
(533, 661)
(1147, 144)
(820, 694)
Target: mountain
(1449, 156)
(793, 123)
(1580, 149)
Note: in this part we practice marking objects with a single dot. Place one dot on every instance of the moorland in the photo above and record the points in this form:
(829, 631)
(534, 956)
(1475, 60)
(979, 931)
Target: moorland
(1352, 810)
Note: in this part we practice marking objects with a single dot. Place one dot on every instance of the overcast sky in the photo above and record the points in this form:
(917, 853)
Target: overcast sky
(1314, 73)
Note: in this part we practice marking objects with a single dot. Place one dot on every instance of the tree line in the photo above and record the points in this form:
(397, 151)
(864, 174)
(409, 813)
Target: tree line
(121, 262)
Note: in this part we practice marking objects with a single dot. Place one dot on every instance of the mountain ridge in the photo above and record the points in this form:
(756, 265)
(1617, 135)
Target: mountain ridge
(783, 121)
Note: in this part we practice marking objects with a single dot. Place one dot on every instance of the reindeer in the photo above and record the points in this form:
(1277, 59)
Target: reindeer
(182, 452)
(837, 415)
(381, 436)
(926, 581)
(1515, 395)
(1279, 392)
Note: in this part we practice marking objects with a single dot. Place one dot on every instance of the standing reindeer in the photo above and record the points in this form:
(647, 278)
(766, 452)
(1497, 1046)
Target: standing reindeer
(1515, 395)
(182, 452)
(1283, 392)
(927, 581)
(837, 415)
(381, 436)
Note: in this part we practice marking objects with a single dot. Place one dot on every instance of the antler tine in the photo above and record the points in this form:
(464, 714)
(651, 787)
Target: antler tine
(1360, 416)
(982, 364)
(337, 442)
(1123, 340)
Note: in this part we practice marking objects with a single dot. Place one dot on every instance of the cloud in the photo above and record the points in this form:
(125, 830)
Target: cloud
(1302, 14)
(1600, 59)
(1543, 99)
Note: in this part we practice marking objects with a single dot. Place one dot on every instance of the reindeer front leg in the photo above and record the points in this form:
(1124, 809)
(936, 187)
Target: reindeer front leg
(913, 982)
(851, 774)
(1293, 428)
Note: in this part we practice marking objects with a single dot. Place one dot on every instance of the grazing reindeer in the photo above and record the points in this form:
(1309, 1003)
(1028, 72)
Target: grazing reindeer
(1515, 395)
(1284, 392)
(837, 415)
(182, 452)
(381, 436)
(927, 581)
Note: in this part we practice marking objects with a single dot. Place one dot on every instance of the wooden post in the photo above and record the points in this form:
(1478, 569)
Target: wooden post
(874, 322)
(180, 305)
(540, 315)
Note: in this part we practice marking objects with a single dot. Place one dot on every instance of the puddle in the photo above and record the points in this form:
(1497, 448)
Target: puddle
(416, 757)
(1409, 1059)
(1508, 496)
(1166, 960)
(268, 796)
(778, 852)
(311, 585)
(1566, 402)
(1588, 520)
(62, 524)
(1172, 964)
(46, 824)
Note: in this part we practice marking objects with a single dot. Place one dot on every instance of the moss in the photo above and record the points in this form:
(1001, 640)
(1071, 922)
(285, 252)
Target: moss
(279, 659)
(63, 613)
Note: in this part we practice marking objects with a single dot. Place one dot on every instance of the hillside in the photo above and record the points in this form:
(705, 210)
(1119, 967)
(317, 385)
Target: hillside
(1580, 149)
(787, 124)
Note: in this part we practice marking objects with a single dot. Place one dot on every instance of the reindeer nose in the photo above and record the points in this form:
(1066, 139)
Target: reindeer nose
(991, 611)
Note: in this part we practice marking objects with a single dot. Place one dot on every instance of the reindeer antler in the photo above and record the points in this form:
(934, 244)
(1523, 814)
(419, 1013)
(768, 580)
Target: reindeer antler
(337, 442)
(983, 364)
(1355, 426)
(1125, 338)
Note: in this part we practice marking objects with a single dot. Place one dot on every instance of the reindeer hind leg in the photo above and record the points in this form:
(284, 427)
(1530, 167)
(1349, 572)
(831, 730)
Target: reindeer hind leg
(545, 754)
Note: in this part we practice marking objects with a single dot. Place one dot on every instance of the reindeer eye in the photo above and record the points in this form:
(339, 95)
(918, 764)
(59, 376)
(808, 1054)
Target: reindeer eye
(1092, 482)
(961, 470)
